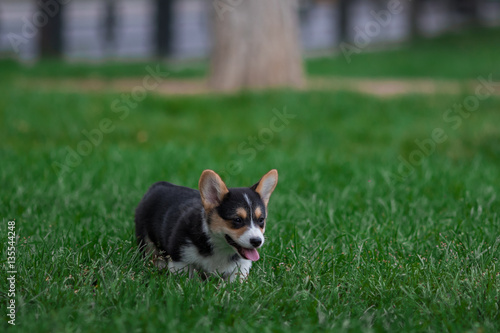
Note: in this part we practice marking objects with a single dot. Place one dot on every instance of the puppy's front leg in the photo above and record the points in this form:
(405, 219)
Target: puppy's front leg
(191, 271)
(241, 271)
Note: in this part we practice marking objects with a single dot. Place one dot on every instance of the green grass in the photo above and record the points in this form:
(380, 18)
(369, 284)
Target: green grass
(460, 55)
(349, 248)
(353, 244)
(105, 69)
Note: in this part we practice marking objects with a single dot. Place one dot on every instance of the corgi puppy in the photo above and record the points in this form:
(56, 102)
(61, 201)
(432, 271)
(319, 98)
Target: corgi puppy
(215, 230)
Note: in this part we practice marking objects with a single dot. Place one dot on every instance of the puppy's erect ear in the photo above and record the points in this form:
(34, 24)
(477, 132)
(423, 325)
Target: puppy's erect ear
(212, 189)
(266, 185)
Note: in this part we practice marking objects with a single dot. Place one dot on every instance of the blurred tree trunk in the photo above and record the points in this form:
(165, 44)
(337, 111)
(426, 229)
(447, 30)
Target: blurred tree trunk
(469, 9)
(51, 39)
(343, 19)
(415, 8)
(163, 27)
(256, 45)
(109, 23)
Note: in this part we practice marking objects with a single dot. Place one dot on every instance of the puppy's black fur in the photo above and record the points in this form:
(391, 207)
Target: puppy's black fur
(171, 215)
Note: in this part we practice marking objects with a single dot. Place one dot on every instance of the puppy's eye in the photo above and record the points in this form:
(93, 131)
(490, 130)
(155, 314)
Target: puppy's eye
(261, 221)
(238, 223)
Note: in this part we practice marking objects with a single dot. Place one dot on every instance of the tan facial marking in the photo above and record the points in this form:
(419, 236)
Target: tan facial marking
(242, 212)
(258, 213)
(219, 225)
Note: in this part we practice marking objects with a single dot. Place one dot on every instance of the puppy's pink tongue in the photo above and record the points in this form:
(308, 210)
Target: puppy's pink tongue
(251, 254)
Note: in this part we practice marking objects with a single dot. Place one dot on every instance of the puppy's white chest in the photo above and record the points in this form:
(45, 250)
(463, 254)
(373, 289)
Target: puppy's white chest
(220, 262)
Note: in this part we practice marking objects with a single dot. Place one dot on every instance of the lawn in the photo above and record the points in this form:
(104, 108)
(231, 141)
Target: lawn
(457, 55)
(357, 240)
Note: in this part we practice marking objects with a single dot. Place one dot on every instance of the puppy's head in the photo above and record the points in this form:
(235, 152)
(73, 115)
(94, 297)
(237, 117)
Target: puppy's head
(238, 214)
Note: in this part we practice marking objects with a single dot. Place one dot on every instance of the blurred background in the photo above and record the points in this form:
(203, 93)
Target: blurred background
(182, 29)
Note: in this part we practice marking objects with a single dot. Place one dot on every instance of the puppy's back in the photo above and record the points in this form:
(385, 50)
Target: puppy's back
(160, 206)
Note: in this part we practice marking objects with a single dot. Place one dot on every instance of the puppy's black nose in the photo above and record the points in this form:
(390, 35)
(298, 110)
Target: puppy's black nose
(255, 242)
